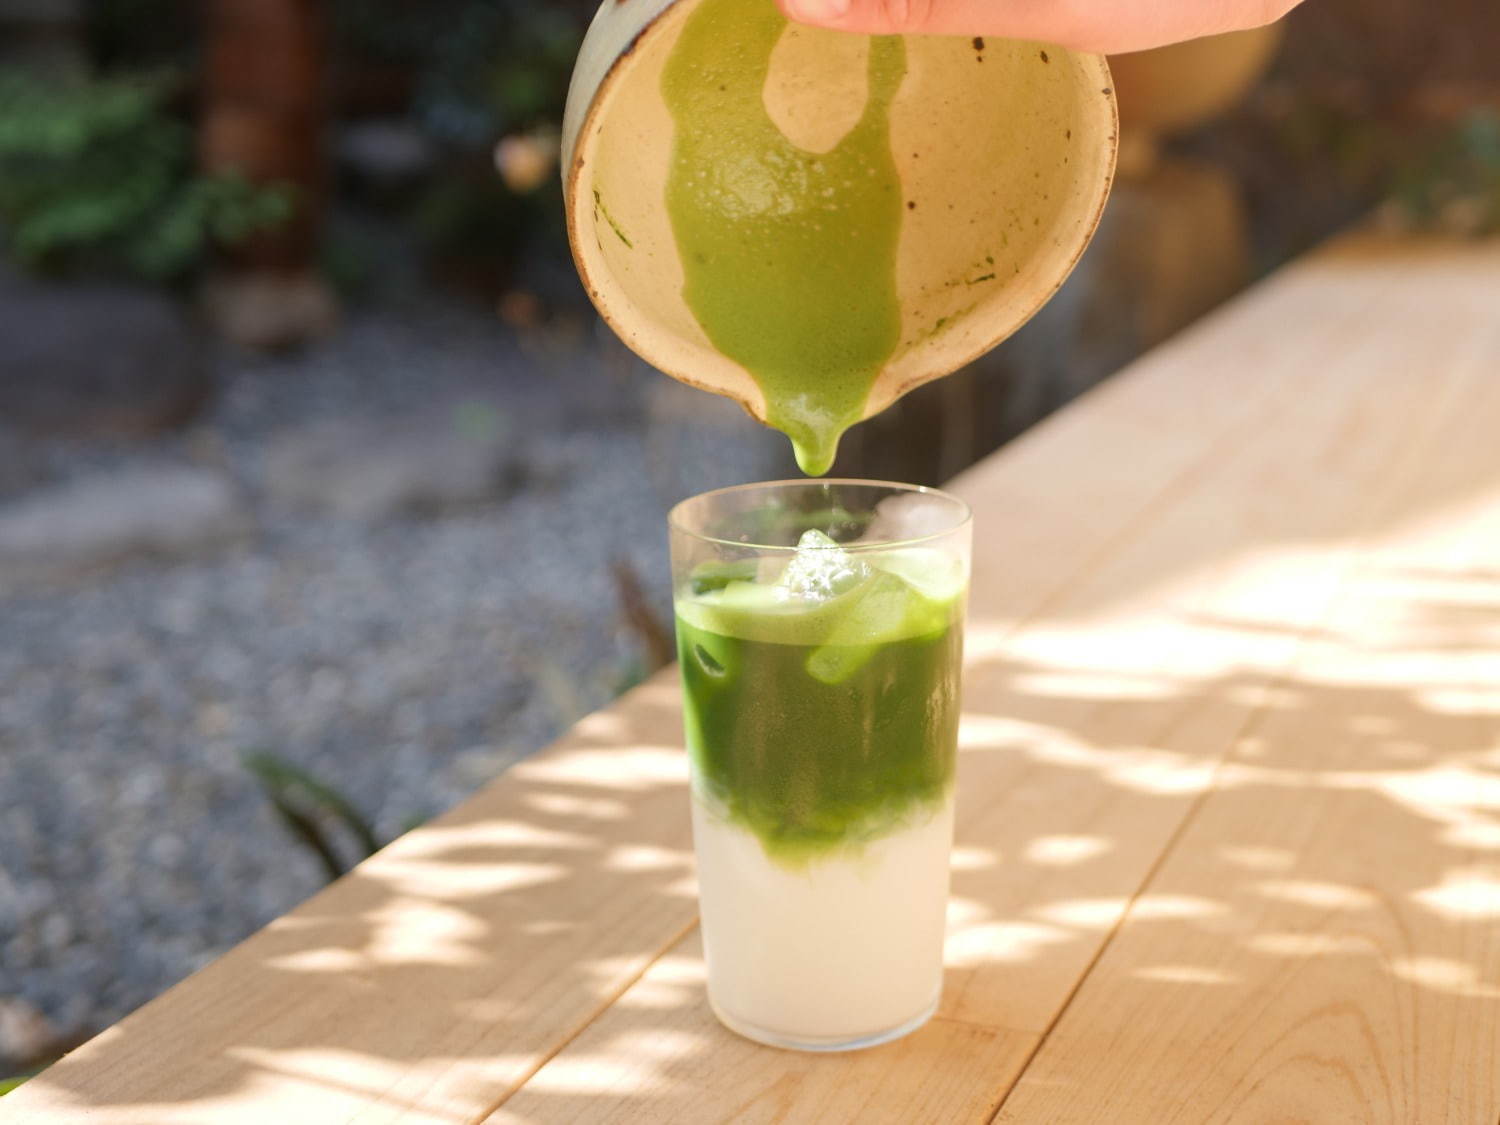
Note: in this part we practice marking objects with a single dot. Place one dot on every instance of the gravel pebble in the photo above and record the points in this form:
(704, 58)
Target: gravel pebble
(161, 510)
(400, 659)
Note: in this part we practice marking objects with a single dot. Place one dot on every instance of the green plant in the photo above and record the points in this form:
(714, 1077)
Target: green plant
(310, 809)
(480, 72)
(483, 68)
(655, 638)
(98, 175)
(1436, 177)
(1454, 184)
(499, 67)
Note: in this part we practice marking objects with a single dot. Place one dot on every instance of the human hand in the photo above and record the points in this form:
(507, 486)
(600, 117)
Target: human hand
(1105, 26)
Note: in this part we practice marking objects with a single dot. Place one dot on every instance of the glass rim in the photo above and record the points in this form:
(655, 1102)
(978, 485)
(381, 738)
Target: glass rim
(965, 514)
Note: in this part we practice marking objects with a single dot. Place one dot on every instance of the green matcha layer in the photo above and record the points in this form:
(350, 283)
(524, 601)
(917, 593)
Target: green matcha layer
(789, 256)
(820, 719)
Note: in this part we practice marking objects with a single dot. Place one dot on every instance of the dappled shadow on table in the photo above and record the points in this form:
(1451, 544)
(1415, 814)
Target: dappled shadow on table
(1336, 869)
(438, 971)
(1350, 836)
(1239, 777)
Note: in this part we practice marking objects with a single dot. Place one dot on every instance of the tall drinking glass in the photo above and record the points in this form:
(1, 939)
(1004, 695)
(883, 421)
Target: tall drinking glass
(820, 632)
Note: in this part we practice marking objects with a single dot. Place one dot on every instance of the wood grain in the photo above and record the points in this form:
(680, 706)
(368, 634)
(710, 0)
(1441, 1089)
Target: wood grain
(661, 1056)
(321, 1028)
(1190, 567)
(1336, 952)
(435, 977)
(1094, 730)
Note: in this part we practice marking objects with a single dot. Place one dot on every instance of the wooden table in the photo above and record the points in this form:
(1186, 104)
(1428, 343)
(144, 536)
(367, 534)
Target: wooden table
(1229, 838)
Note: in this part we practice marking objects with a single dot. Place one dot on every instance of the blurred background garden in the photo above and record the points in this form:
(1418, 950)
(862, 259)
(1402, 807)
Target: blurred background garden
(324, 495)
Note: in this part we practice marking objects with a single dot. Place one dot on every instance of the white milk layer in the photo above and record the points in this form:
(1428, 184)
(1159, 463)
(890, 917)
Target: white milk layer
(847, 947)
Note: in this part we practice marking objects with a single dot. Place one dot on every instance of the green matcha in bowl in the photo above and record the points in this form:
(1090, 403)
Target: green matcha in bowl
(815, 222)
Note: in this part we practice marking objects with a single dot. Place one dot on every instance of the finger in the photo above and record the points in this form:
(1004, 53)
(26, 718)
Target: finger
(1018, 19)
(1106, 26)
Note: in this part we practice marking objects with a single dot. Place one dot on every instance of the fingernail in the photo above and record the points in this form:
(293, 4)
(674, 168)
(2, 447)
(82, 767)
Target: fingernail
(820, 11)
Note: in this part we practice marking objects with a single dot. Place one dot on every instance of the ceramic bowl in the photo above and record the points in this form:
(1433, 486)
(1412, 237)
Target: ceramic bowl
(1005, 152)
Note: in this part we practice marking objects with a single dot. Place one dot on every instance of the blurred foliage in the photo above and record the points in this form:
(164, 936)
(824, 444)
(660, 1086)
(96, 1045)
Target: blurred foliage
(120, 194)
(98, 176)
(1453, 184)
(1434, 176)
(313, 812)
(480, 70)
(9, 1084)
(1312, 157)
(655, 638)
(484, 68)
(1417, 161)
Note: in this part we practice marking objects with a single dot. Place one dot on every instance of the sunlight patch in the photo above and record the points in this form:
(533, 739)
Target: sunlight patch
(1324, 896)
(1471, 894)
(1183, 974)
(1064, 851)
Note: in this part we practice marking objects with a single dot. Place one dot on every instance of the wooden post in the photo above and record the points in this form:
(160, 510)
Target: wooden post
(264, 117)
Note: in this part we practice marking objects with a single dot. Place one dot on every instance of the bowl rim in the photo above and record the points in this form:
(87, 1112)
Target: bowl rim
(600, 97)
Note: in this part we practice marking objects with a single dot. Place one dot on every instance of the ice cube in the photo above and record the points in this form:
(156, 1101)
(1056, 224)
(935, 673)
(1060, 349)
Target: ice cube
(908, 515)
(821, 569)
(882, 612)
(935, 574)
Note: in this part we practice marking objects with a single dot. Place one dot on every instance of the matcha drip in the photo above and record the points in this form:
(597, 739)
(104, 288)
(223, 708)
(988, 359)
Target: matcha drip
(789, 255)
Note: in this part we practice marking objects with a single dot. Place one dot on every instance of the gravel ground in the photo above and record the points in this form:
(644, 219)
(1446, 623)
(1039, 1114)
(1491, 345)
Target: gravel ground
(406, 661)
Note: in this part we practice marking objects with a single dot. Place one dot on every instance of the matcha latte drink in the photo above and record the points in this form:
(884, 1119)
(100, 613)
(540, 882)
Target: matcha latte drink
(819, 628)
